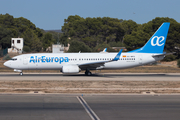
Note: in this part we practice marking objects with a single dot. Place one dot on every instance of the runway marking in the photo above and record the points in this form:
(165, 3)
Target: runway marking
(90, 112)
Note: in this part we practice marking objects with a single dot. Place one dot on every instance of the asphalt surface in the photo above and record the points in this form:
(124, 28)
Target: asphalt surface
(106, 107)
(137, 107)
(95, 77)
(41, 107)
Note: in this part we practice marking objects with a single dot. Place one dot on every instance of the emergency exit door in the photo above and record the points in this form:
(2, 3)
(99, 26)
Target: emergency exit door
(140, 59)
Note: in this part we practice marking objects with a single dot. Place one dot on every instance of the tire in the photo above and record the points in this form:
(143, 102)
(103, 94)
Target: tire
(21, 73)
(89, 74)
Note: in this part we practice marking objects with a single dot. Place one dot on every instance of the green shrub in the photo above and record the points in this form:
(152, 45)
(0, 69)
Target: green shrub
(178, 63)
(77, 46)
(26, 49)
(116, 44)
(7, 57)
(169, 58)
(101, 47)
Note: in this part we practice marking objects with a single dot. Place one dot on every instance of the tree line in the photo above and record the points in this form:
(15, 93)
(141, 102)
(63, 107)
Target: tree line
(35, 39)
(98, 33)
(89, 34)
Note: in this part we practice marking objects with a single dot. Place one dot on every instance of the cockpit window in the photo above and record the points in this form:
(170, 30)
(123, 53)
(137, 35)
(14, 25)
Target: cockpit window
(13, 59)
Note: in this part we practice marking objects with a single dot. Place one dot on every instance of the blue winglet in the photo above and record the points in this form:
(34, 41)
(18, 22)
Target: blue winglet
(105, 49)
(118, 55)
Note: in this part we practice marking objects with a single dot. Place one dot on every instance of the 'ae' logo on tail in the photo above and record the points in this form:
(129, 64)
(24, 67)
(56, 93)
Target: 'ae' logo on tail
(158, 42)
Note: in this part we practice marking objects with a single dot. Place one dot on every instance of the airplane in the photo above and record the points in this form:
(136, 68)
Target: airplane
(70, 63)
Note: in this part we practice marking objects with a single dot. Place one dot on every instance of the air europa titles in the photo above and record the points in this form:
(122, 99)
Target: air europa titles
(44, 59)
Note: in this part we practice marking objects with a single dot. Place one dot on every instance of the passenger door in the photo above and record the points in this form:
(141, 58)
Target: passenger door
(25, 60)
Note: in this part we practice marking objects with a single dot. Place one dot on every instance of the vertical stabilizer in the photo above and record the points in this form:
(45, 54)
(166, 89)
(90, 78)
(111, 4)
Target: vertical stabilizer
(157, 42)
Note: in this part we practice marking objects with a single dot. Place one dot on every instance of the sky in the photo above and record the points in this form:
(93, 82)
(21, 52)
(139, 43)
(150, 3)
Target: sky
(50, 14)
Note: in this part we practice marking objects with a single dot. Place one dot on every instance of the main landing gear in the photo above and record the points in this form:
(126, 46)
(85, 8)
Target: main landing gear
(88, 73)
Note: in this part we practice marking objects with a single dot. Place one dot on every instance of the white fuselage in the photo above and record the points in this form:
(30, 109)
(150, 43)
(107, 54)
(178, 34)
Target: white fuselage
(55, 61)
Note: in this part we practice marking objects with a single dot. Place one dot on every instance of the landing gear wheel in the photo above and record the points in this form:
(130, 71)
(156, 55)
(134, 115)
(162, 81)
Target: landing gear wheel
(88, 73)
(21, 73)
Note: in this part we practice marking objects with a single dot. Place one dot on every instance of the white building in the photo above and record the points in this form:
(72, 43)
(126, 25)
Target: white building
(59, 48)
(16, 45)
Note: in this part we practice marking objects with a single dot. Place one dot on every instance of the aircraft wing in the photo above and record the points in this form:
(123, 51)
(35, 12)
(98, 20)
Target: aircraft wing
(94, 65)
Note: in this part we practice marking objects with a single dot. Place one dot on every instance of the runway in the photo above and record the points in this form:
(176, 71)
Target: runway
(94, 77)
(105, 107)
(40, 106)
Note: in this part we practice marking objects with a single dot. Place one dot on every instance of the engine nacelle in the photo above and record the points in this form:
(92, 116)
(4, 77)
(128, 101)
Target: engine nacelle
(17, 70)
(70, 69)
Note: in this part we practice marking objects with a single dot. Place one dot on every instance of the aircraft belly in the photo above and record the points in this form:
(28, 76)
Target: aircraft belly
(44, 66)
(120, 64)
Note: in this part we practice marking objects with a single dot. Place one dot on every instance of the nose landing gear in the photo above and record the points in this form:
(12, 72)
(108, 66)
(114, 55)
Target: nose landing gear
(21, 73)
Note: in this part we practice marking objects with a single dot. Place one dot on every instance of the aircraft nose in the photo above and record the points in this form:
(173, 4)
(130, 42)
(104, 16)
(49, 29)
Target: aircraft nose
(7, 64)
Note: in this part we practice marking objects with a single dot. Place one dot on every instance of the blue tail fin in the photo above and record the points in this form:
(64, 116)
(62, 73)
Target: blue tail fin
(156, 43)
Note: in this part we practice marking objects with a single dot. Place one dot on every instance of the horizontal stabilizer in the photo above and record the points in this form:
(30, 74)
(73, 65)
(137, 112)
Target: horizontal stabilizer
(164, 54)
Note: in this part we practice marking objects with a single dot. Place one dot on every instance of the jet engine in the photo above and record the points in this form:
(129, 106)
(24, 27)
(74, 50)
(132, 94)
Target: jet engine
(70, 69)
